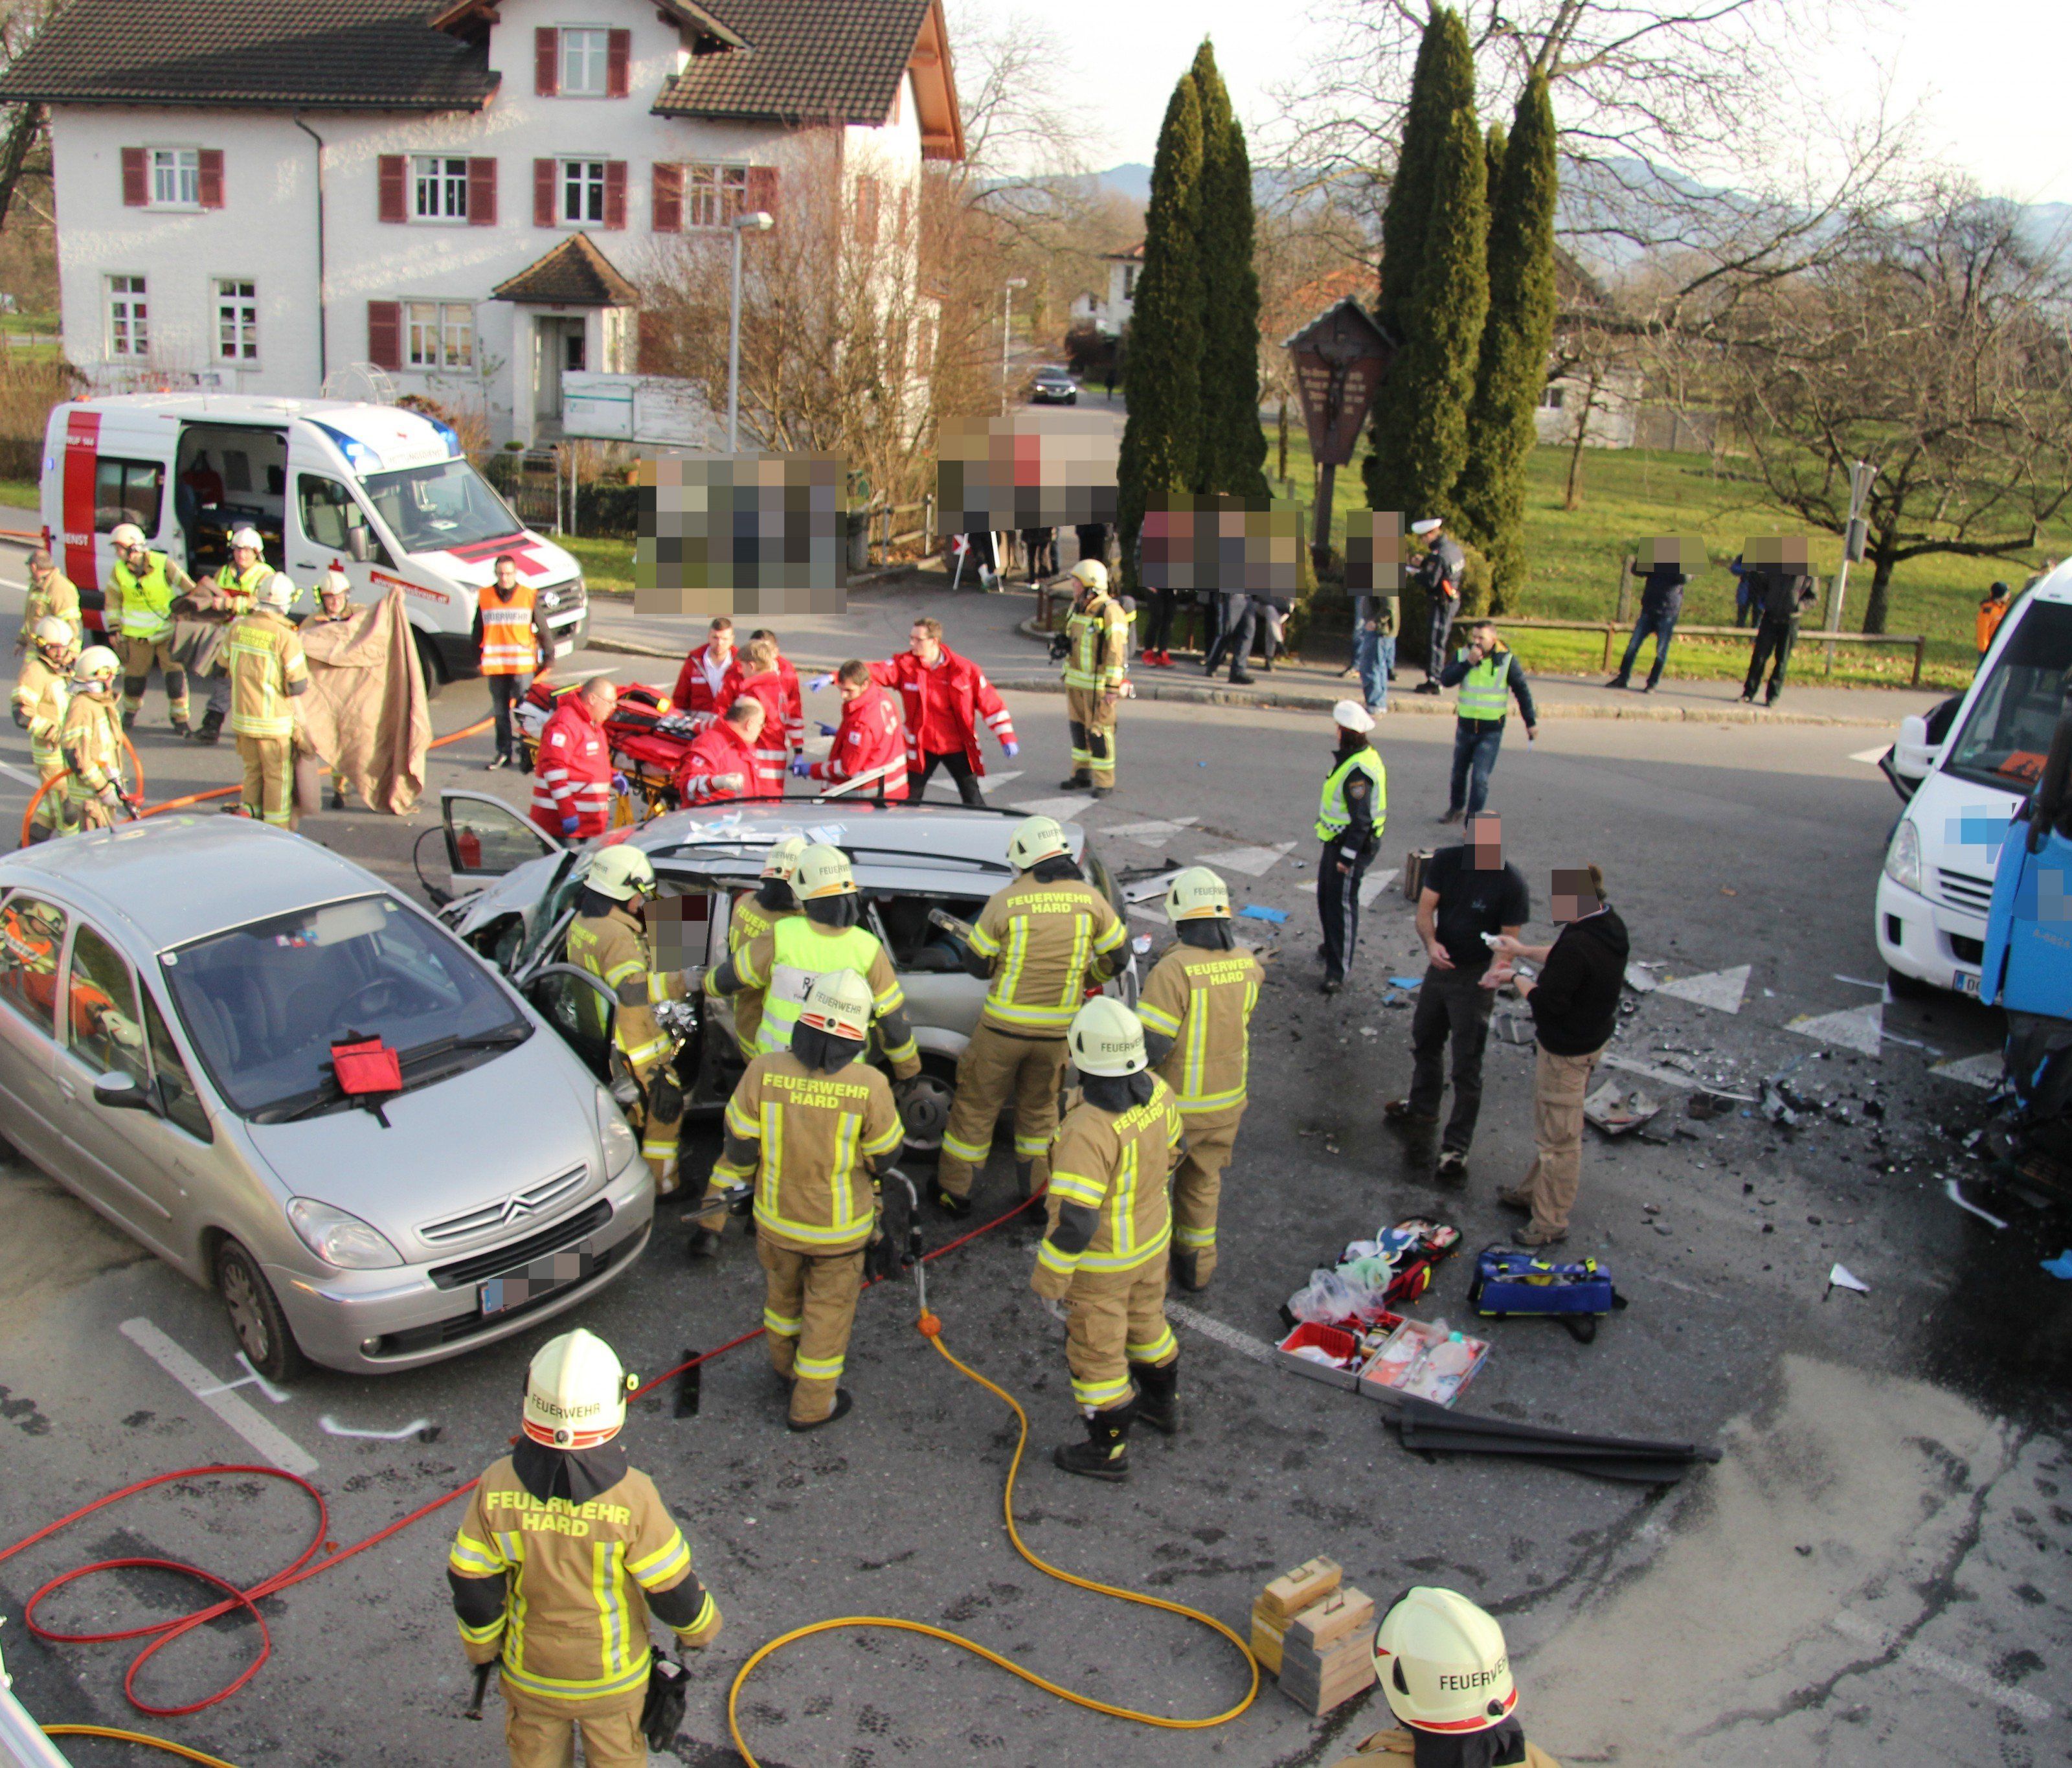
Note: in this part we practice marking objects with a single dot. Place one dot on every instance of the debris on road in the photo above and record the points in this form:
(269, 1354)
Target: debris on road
(2061, 1265)
(1615, 1110)
(1955, 1193)
(1258, 912)
(1636, 1459)
(1839, 1276)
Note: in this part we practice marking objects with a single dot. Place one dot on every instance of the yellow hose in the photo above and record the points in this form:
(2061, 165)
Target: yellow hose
(932, 1329)
(136, 1736)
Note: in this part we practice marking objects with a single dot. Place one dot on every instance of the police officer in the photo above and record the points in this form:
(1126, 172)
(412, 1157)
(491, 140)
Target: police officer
(1096, 658)
(267, 671)
(52, 596)
(91, 743)
(565, 1552)
(39, 709)
(753, 917)
(1101, 1266)
(334, 606)
(812, 1126)
(1043, 940)
(237, 587)
(138, 608)
(1197, 1008)
(1488, 674)
(1350, 819)
(1440, 570)
(609, 938)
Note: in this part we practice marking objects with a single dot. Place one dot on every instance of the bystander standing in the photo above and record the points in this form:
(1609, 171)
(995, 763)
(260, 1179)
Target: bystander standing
(1488, 674)
(1661, 603)
(1991, 611)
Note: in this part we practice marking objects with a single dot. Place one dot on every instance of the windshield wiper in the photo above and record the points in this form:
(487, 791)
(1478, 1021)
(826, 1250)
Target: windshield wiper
(498, 1037)
(329, 1096)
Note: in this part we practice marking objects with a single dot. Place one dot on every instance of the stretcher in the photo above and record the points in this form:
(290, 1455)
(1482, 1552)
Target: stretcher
(648, 739)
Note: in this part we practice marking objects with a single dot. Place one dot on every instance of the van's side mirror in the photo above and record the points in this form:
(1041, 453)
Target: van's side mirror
(355, 544)
(120, 1092)
(1913, 731)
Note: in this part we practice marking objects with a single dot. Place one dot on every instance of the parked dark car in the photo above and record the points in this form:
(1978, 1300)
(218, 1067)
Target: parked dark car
(1053, 387)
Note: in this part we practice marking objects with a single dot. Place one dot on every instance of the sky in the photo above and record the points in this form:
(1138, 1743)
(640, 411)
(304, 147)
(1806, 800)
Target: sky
(1989, 76)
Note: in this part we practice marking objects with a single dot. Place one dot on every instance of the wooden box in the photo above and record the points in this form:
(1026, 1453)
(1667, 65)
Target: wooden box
(1291, 1593)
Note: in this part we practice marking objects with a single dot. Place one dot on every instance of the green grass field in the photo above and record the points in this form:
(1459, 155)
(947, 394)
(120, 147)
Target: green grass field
(607, 564)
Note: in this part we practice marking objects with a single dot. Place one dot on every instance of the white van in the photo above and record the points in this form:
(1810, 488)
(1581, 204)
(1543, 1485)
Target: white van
(384, 494)
(1974, 766)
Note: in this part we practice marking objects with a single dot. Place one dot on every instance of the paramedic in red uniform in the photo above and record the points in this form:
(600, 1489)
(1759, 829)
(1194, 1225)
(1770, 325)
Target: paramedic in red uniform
(795, 700)
(944, 697)
(869, 747)
(722, 761)
(710, 678)
(572, 779)
(759, 682)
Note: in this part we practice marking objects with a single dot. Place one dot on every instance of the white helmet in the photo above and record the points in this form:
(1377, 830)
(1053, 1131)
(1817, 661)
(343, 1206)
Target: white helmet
(125, 535)
(575, 1392)
(1198, 895)
(278, 593)
(1107, 1038)
(1037, 840)
(622, 872)
(1350, 715)
(822, 871)
(840, 1005)
(1442, 1663)
(97, 665)
(782, 861)
(333, 582)
(53, 634)
(1092, 575)
(248, 538)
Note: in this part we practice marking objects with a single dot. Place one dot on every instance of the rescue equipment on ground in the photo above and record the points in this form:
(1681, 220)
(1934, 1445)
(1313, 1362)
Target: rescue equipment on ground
(1638, 1460)
(1508, 1284)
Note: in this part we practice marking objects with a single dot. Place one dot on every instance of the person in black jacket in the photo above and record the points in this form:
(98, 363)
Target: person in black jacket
(1661, 602)
(1781, 592)
(1575, 1008)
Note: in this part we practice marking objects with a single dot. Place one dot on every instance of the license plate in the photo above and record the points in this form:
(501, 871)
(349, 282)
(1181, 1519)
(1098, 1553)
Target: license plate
(1967, 982)
(527, 1282)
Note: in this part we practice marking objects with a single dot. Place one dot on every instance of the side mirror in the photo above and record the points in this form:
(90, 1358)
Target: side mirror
(1913, 731)
(120, 1092)
(355, 544)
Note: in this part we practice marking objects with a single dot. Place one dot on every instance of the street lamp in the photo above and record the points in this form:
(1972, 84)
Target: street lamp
(1006, 329)
(756, 221)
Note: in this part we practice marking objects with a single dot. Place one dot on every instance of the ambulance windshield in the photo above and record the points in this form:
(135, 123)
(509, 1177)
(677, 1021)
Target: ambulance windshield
(436, 508)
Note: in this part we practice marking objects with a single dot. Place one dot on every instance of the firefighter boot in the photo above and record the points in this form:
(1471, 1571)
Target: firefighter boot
(1025, 1179)
(1105, 1454)
(1158, 1394)
(1081, 781)
(210, 728)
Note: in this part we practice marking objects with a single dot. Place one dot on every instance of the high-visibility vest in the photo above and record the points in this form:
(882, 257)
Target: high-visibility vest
(803, 954)
(508, 647)
(1333, 819)
(147, 601)
(1485, 689)
(244, 587)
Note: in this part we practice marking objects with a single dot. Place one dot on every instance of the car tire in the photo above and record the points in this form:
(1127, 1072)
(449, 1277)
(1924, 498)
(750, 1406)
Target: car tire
(428, 657)
(1907, 988)
(260, 1328)
(924, 1107)
(1071, 399)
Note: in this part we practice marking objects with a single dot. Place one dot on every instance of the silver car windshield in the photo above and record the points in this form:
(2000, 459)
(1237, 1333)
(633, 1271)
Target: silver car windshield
(433, 509)
(264, 1002)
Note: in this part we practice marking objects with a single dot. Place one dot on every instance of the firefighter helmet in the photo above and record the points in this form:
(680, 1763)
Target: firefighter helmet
(53, 635)
(621, 873)
(97, 666)
(839, 1005)
(1037, 840)
(822, 871)
(125, 535)
(575, 1392)
(1092, 575)
(333, 582)
(278, 593)
(249, 539)
(1107, 1038)
(1198, 895)
(782, 861)
(1441, 1662)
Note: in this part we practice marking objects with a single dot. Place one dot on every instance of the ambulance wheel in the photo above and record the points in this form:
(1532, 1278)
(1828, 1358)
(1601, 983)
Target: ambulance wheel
(428, 657)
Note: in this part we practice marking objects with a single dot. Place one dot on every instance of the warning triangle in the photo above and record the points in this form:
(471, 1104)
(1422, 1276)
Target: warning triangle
(1721, 990)
(1859, 1028)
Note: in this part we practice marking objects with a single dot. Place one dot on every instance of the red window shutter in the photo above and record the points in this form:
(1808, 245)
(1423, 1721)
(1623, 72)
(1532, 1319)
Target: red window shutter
(615, 194)
(385, 334)
(651, 350)
(136, 179)
(546, 61)
(481, 193)
(210, 166)
(618, 64)
(394, 181)
(667, 187)
(543, 193)
(763, 190)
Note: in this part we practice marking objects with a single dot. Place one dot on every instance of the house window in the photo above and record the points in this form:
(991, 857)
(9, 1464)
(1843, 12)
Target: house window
(715, 194)
(585, 56)
(1550, 400)
(442, 334)
(582, 191)
(176, 178)
(128, 328)
(237, 321)
(1129, 282)
(439, 188)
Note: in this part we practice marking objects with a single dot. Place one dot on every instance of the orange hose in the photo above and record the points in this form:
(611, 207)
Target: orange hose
(28, 815)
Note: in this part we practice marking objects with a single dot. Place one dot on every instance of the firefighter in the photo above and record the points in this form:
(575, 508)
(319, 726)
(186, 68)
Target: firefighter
(609, 937)
(1044, 940)
(1101, 1267)
(138, 611)
(334, 606)
(753, 917)
(52, 597)
(1197, 1008)
(1096, 657)
(267, 671)
(39, 709)
(1350, 814)
(566, 1550)
(91, 742)
(812, 1126)
(237, 587)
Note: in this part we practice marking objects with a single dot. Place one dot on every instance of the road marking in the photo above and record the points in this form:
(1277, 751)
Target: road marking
(1860, 1029)
(1227, 1336)
(1151, 834)
(1982, 1070)
(332, 1428)
(1671, 1077)
(275, 1445)
(1066, 810)
(251, 1378)
(1873, 756)
(1966, 1677)
(16, 773)
(1721, 990)
(1253, 862)
(987, 782)
(1375, 883)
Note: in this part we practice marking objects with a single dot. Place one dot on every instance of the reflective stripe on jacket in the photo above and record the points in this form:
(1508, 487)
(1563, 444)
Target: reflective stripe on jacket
(266, 663)
(1486, 689)
(786, 962)
(41, 696)
(1098, 639)
(1333, 817)
(242, 587)
(613, 949)
(818, 1138)
(1115, 1164)
(509, 646)
(142, 605)
(1203, 1001)
(1043, 939)
(572, 771)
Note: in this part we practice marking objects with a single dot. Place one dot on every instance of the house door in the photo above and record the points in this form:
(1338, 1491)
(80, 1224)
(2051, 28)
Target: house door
(558, 345)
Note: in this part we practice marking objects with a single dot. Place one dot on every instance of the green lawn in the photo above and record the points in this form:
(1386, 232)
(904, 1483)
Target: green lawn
(607, 564)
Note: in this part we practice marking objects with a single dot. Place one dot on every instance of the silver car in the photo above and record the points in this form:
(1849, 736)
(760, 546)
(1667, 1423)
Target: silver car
(171, 994)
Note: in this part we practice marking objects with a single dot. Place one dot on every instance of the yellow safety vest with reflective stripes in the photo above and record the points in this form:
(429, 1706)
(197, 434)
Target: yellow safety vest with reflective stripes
(1115, 1165)
(612, 948)
(1203, 1001)
(818, 1134)
(1333, 819)
(804, 953)
(146, 602)
(1097, 636)
(243, 587)
(1485, 689)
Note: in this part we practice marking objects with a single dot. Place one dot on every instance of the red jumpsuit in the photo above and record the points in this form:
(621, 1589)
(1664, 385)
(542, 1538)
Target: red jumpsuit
(573, 775)
(720, 749)
(771, 748)
(868, 746)
(943, 706)
(693, 693)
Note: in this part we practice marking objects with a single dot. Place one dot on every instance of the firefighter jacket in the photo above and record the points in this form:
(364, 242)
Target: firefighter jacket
(868, 748)
(56, 597)
(91, 741)
(749, 920)
(1047, 944)
(613, 949)
(942, 704)
(236, 591)
(813, 1142)
(267, 670)
(574, 1584)
(1097, 640)
(1114, 1164)
(719, 750)
(141, 607)
(786, 962)
(40, 695)
(1202, 1000)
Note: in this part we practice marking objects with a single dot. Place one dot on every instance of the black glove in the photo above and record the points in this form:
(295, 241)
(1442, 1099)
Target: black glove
(665, 1098)
(668, 1691)
(1061, 647)
(892, 1252)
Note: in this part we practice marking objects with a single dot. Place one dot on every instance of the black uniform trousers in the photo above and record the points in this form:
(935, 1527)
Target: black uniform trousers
(1337, 907)
(1450, 1004)
(959, 767)
(1772, 638)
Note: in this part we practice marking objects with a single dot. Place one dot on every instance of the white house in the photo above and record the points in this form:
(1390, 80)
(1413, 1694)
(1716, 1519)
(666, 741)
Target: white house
(1111, 313)
(463, 194)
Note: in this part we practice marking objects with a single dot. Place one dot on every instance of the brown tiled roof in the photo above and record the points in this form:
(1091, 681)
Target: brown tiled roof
(574, 274)
(807, 61)
(322, 55)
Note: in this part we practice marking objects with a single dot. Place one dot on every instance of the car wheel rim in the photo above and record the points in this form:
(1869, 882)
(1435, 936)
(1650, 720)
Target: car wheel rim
(926, 1111)
(248, 1319)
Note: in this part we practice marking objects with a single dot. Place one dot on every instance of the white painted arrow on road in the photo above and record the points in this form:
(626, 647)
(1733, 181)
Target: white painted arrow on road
(1152, 834)
(1253, 862)
(1720, 990)
(1859, 1028)
(1066, 810)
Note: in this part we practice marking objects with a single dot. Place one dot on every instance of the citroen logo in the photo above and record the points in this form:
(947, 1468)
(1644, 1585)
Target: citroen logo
(516, 1207)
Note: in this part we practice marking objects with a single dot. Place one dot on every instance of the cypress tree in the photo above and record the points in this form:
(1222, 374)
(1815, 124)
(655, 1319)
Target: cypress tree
(1162, 438)
(1493, 153)
(1233, 443)
(1512, 373)
(1443, 78)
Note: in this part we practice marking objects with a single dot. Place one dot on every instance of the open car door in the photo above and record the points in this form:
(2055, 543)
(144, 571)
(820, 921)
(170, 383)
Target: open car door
(582, 1008)
(486, 838)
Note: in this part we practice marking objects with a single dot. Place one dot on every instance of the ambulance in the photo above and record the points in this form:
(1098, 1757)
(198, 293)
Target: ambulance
(384, 494)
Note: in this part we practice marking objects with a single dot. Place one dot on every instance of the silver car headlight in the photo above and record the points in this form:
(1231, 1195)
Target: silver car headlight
(339, 1238)
(619, 1146)
(1902, 858)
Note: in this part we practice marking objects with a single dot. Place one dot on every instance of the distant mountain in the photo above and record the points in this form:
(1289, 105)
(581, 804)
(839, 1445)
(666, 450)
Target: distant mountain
(1132, 180)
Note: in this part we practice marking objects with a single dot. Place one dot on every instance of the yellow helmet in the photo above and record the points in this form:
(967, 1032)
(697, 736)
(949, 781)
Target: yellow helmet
(840, 1005)
(125, 535)
(822, 871)
(782, 861)
(98, 666)
(1107, 1038)
(1092, 575)
(1198, 895)
(1038, 838)
(575, 1392)
(622, 872)
(1442, 1663)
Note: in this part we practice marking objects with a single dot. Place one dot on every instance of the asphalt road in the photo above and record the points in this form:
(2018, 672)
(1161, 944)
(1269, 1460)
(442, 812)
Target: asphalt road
(1876, 1571)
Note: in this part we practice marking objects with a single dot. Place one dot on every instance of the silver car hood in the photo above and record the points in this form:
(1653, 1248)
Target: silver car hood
(505, 1126)
(517, 892)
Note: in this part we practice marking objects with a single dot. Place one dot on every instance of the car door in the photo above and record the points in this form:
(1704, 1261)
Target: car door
(32, 933)
(582, 1009)
(330, 529)
(486, 838)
